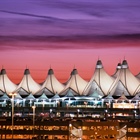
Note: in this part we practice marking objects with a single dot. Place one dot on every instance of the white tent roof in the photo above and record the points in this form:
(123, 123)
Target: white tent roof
(95, 95)
(4, 97)
(69, 90)
(118, 69)
(43, 97)
(51, 85)
(6, 85)
(55, 97)
(100, 81)
(122, 98)
(69, 94)
(127, 82)
(45, 91)
(27, 84)
(75, 83)
(119, 88)
(18, 97)
(136, 98)
(30, 97)
(91, 88)
(108, 98)
(138, 75)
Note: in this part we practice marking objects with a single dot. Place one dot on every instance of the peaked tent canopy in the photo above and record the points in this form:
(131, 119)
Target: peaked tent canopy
(138, 75)
(43, 97)
(100, 80)
(119, 88)
(118, 69)
(6, 85)
(51, 85)
(91, 88)
(69, 94)
(118, 84)
(122, 98)
(30, 97)
(127, 82)
(75, 83)
(136, 98)
(18, 97)
(4, 97)
(95, 95)
(108, 98)
(27, 84)
(55, 97)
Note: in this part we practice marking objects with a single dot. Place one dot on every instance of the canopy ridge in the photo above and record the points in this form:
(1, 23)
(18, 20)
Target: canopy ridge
(27, 83)
(4, 83)
(76, 84)
(137, 89)
(52, 83)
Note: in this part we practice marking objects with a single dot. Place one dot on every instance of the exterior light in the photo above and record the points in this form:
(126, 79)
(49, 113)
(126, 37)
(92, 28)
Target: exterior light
(135, 111)
(12, 94)
(96, 133)
(33, 107)
(50, 110)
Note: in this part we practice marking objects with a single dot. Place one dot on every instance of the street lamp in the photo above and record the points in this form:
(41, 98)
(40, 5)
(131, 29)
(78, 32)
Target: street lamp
(139, 106)
(43, 106)
(78, 112)
(85, 103)
(107, 105)
(12, 94)
(33, 107)
(67, 105)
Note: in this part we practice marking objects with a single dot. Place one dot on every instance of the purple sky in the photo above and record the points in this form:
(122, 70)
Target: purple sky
(70, 27)
(69, 18)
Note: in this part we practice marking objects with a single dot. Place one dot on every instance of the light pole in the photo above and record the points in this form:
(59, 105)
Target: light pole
(85, 103)
(139, 106)
(67, 105)
(78, 112)
(12, 94)
(33, 107)
(43, 106)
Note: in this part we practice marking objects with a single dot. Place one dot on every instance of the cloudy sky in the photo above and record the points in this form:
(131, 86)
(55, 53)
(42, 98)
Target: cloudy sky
(64, 34)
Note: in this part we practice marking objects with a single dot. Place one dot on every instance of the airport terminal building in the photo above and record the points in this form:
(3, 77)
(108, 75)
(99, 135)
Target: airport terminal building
(76, 109)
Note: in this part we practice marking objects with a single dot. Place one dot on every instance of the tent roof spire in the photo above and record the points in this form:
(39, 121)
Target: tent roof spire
(119, 66)
(99, 64)
(26, 72)
(74, 72)
(3, 71)
(124, 64)
(50, 71)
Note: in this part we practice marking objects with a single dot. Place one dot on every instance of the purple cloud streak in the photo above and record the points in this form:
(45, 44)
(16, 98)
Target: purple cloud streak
(49, 22)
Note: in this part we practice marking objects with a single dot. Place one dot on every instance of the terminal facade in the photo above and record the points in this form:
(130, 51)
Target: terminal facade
(76, 109)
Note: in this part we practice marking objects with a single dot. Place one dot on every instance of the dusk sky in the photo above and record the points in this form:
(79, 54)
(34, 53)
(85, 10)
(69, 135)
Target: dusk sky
(65, 34)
